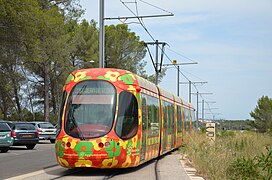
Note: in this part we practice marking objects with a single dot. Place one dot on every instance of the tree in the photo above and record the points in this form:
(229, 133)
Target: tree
(83, 38)
(50, 55)
(16, 29)
(123, 49)
(263, 115)
(34, 41)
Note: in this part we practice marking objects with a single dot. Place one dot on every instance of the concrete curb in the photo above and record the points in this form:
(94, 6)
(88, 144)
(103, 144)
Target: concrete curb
(191, 171)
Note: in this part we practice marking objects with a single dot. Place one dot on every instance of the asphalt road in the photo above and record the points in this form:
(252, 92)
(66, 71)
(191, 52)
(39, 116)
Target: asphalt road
(19, 160)
(40, 163)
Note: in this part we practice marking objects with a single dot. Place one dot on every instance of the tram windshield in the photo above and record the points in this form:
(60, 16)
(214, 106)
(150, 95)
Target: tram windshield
(90, 110)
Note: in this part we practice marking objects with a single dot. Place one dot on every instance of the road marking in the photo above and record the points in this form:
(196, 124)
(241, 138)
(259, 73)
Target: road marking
(35, 173)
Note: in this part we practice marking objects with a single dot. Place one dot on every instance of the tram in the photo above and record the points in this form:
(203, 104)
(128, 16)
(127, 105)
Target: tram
(112, 118)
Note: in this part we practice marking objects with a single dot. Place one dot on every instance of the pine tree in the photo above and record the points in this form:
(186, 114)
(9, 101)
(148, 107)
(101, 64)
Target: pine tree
(263, 115)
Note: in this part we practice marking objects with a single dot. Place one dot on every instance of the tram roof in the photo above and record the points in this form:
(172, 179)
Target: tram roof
(113, 75)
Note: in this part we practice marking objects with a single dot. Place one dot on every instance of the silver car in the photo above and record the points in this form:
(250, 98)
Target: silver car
(46, 131)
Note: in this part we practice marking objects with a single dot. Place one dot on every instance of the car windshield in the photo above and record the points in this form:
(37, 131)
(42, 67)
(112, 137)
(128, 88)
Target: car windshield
(45, 126)
(4, 127)
(24, 126)
(91, 109)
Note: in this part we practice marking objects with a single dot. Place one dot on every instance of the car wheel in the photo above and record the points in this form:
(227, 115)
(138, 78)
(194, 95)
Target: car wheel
(30, 146)
(52, 140)
(3, 150)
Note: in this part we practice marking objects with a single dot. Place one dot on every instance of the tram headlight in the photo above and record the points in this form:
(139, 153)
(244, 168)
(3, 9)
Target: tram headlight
(101, 145)
(107, 144)
(68, 144)
(63, 144)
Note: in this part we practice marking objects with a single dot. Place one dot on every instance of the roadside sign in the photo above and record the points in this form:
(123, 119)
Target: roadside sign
(210, 132)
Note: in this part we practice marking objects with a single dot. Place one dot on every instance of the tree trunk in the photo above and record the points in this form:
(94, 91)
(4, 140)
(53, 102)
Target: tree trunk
(53, 98)
(46, 92)
(4, 106)
(17, 99)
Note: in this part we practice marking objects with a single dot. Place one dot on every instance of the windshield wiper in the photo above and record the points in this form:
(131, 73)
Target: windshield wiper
(72, 118)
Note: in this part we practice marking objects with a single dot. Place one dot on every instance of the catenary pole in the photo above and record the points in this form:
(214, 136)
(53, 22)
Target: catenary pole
(174, 63)
(156, 64)
(101, 35)
(178, 82)
(197, 113)
(190, 88)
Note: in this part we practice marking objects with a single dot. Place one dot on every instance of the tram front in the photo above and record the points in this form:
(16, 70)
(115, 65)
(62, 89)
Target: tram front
(91, 129)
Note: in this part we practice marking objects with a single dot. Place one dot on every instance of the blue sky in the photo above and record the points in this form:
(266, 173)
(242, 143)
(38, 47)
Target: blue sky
(231, 41)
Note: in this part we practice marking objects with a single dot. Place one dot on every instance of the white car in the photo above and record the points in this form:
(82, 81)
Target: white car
(46, 131)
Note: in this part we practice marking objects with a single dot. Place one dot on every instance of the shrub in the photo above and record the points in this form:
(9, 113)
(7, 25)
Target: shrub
(234, 155)
(259, 167)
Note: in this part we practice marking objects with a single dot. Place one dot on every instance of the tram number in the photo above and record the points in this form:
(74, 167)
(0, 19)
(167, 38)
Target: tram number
(210, 132)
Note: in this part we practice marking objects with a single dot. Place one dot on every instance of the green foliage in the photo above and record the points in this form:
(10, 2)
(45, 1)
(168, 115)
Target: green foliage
(123, 49)
(33, 55)
(242, 155)
(243, 169)
(259, 167)
(263, 115)
(42, 41)
(224, 133)
(17, 27)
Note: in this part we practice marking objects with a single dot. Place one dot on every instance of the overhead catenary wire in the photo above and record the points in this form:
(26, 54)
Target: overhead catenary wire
(156, 7)
(139, 19)
(141, 22)
(185, 57)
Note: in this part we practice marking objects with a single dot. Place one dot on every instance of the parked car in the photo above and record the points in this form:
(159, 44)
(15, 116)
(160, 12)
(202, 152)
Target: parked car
(46, 131)
(5, 137)
(24, 133)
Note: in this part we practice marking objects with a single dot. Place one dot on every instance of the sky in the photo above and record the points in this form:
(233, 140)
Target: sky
(230, 40)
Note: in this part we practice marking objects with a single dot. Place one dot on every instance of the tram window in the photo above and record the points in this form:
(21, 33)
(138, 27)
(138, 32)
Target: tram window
(144, 111)
(153, 117)
(165, 113)
(90, 109)
(171, 118)
(179, 119)
(187, 119)
(127, 119)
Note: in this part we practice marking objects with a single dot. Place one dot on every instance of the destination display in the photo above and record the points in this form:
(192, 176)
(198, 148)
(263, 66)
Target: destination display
(93, 90)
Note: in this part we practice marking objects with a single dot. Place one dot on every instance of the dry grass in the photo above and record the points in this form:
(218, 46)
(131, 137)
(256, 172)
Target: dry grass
(212, 160)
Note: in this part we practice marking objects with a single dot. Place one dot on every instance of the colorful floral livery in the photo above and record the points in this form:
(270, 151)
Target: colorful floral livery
(111, 118)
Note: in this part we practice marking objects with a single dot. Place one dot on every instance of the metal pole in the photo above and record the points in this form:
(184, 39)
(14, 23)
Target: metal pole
(178, 83)
(197, 110)
(203, 110)
(190, 91)
(156, 64)
(101, 35)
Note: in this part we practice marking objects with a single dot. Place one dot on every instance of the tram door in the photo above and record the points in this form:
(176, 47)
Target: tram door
(144, 127)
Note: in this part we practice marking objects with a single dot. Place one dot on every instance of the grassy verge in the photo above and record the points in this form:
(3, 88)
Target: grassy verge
(234, 155)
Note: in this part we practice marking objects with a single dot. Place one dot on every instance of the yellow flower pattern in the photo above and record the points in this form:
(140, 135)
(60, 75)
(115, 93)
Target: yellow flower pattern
(107, 163)
(127, 163)
(131, 88)
(83, 163)
(112, 75)
(79, 76)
